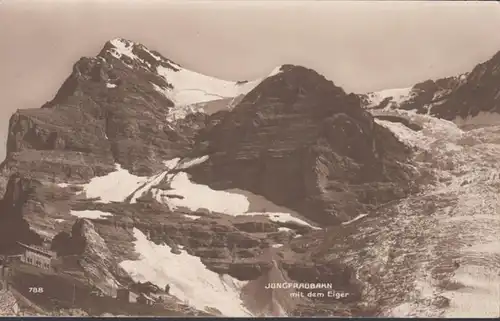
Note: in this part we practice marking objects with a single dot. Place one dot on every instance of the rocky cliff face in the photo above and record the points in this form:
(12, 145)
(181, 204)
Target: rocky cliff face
(14, 226)
(105, 112)
(302, 142)
(479, 93)
(95, 258)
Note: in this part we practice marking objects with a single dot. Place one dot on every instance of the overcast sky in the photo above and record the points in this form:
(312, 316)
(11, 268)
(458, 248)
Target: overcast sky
(362, 46)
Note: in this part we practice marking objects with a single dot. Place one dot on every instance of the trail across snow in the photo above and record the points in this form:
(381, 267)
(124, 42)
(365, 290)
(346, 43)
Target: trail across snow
(189, 279)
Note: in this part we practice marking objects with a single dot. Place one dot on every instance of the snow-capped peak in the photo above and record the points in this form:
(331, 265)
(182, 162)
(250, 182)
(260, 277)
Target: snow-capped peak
(188, 90)
(119, 47)
(276, 71)
(394, 96)
(183, 87)
(122, 47)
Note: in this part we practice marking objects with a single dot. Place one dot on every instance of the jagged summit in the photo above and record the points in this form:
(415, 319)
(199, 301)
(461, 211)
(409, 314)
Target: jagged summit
(182, 86)
(129, 51)
(122, 64)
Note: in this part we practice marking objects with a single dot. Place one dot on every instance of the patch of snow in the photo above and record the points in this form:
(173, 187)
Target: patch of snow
(63, 185)
(197, 196)
(108, 85)
(187, 163)
(171, 163)
(59, 220)
(435, 131)
(192, 217)
(405, 134)
(122, 48)
(191, 88)
(182, 111)
(187, 276)
(283, 218)
(276, 71)
(360, 216)
(399, 95)
(147, 186)
(277, 245)
(285, 229)
(113, 187)
(91, 214)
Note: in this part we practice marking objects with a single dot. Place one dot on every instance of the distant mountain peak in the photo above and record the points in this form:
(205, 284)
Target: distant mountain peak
(457, 98)
(133, 53)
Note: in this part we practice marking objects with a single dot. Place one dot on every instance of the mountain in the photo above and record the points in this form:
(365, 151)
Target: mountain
(119, 109)
(302, 142)
(140, 171)
(457, 98)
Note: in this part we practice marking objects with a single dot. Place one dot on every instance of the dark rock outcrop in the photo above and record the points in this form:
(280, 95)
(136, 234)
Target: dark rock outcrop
(302, 142)
(451, 98)
(94, 256)
(479, 93)
(13, 226)
(431, 92)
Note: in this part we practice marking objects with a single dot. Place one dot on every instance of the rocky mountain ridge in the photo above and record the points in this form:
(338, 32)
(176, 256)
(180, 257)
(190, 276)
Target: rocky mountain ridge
(453, 98)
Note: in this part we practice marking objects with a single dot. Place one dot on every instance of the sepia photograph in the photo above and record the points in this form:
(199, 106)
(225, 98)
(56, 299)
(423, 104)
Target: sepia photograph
(249, 159)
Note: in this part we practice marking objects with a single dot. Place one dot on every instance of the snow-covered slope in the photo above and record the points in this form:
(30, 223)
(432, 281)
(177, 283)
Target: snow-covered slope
(188, 277)
(458, 261)
(422, 97)
(394, 97)
(190, 87)
(186, 88)
(120, 186)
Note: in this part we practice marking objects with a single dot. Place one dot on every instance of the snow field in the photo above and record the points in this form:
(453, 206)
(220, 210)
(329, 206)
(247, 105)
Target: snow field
(187, 276)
